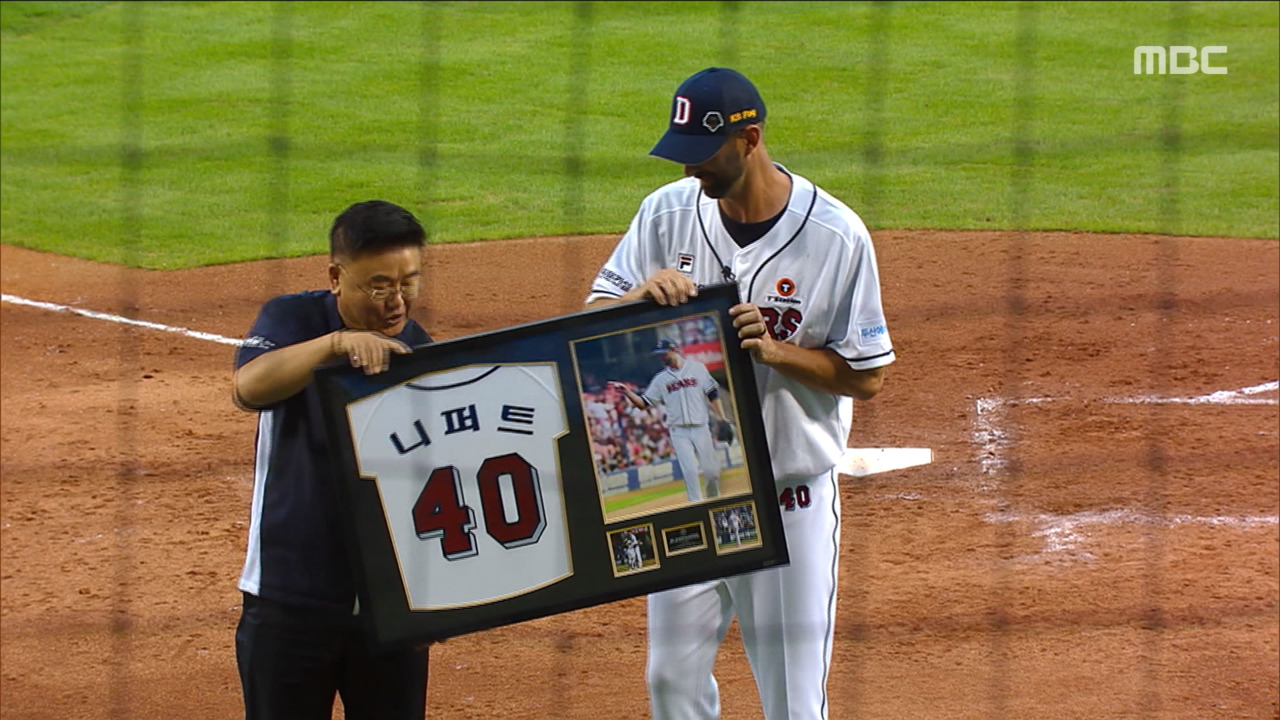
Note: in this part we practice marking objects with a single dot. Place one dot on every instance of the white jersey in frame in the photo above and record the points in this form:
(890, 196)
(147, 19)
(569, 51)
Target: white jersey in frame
(682, 392)
(467, 468)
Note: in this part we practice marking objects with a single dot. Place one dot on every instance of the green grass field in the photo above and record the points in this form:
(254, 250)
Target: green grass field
(173, 134)
(640, 497)
(733, 481)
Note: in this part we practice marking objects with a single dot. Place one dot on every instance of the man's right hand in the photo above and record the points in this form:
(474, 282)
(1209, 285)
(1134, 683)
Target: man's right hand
(369, 350)
(667, 287)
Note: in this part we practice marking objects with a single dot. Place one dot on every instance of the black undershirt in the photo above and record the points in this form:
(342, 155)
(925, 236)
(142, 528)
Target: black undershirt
(746, 233)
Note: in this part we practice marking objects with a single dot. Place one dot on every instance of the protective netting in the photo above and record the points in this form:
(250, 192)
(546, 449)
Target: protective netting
(579, 83)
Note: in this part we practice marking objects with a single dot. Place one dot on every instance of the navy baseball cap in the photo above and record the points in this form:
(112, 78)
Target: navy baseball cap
(706, 110)
(665, 345)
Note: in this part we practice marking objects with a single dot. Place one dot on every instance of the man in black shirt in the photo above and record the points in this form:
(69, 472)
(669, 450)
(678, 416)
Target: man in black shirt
(299, 644)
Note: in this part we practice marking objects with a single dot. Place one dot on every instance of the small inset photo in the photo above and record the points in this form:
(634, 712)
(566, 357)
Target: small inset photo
(735, 528)
(633, 550)
(684, 538)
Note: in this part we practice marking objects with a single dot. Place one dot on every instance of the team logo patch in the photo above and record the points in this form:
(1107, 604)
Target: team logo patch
(684, 263)
(713, 121)
(680, 116)
(786, 287)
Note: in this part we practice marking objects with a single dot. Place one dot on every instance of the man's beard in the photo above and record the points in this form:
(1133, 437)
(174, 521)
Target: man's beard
(717, 188)
(719, 182)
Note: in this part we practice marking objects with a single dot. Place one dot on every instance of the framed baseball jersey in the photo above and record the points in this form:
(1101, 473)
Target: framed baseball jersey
(552, 466)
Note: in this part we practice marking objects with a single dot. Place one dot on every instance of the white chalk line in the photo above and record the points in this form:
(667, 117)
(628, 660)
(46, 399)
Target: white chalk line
(989, 433)
(122, 320)
(1065, 534)
(992, 439)
(1221, 397)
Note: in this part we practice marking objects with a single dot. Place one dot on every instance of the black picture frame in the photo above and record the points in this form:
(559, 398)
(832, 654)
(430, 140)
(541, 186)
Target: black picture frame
(475, 483)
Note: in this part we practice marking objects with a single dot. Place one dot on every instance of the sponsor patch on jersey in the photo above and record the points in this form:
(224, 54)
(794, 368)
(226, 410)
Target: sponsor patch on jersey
(257, 341)
(684, 263)
(784, 293)
(872, 332)
(614, 279)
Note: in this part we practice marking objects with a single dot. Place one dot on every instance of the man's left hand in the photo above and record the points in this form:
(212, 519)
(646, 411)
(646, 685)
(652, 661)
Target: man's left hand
(753, 333)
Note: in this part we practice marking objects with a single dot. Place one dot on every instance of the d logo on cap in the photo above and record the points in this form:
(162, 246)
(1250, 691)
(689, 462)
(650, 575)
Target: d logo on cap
(681, 116)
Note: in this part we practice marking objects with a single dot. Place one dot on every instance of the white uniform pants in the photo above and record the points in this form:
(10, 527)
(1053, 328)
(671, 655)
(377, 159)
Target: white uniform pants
(786, 614)
(694, 452)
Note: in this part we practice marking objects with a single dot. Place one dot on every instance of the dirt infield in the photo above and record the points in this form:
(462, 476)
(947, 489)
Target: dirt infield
(1097, 537)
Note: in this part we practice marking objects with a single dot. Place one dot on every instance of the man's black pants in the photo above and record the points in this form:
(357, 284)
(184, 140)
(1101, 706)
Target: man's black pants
(294, 660)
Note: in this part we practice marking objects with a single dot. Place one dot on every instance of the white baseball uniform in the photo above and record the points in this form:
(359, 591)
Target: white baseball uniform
(814, 277)
(467, 467)
(631, 550)
(683, 392)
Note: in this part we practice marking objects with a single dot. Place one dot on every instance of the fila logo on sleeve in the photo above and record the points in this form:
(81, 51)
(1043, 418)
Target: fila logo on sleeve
(467, 469)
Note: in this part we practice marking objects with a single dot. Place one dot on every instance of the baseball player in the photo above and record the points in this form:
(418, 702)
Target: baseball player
(685, 388)
(812, 320)
(631, 549)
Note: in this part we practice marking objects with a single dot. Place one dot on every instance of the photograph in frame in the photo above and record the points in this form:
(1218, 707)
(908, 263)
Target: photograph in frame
(734, 528)
(634, 550)
(653, 425)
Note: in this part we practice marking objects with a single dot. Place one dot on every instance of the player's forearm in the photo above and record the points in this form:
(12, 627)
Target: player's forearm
(823, 369)
(639, 293)
(282, 373)
(718, 408)
(665, 287)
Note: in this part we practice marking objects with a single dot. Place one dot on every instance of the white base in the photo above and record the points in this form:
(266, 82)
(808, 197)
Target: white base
(860, 462)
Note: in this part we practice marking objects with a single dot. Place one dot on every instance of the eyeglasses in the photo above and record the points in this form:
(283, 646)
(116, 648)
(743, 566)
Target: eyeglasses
(407, 290)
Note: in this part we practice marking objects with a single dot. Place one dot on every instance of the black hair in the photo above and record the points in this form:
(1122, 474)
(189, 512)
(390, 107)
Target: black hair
(374, 226)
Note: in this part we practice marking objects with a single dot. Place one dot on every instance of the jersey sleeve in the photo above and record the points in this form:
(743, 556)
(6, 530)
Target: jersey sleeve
(860, 333)
(633, 260)
(279, 324)
(705, 380)
(653, 393)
